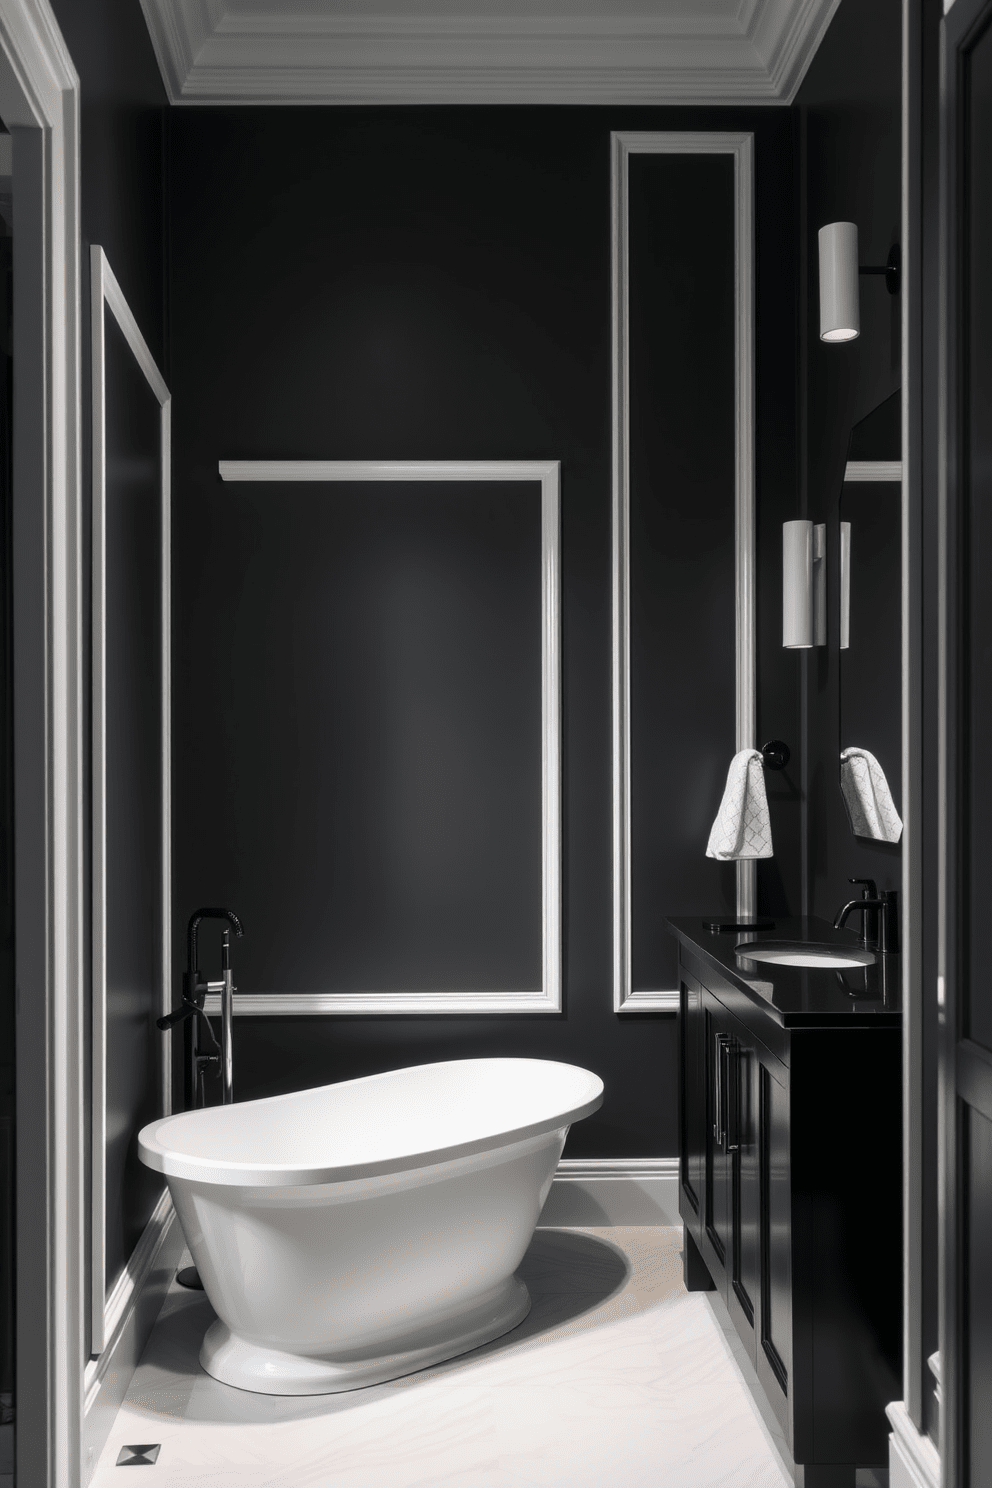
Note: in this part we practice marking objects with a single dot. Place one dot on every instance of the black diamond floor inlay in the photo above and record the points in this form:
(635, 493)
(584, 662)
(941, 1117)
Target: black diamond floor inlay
(139, 1456)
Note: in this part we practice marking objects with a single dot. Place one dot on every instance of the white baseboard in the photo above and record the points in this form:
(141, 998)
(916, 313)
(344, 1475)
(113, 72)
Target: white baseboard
(614, 1191)
(914, 1461)
(106, 1379)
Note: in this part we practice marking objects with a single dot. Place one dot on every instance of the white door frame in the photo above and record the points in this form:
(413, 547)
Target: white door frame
(39, 102)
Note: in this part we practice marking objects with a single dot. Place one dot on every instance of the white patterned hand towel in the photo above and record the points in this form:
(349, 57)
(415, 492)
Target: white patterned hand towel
(867, 797)
(742, 828)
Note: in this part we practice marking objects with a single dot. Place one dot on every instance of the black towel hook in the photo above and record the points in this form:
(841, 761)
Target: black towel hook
(775, 755)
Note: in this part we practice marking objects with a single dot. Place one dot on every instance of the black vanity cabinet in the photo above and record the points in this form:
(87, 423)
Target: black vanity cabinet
(790, 1187)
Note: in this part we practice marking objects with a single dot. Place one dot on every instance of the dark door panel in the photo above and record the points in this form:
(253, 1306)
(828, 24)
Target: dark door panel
(716, 1237)
(692, 1113)
(744, 1278)
(774, 1342)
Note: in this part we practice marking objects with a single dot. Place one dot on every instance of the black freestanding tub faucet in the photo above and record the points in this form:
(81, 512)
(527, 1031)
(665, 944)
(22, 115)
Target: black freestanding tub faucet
(220, 1059)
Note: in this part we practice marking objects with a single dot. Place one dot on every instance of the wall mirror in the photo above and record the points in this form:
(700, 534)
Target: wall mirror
(870, 640)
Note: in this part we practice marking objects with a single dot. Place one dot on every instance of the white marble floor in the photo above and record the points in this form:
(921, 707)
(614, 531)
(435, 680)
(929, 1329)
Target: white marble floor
(618, 1376)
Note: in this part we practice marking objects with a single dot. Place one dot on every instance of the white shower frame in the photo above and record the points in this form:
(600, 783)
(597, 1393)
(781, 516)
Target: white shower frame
(547, 999)
(740, 146)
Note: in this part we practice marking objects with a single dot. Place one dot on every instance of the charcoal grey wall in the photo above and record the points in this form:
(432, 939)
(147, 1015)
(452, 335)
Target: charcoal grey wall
(123, 119)
(848, 110)
(435, 283)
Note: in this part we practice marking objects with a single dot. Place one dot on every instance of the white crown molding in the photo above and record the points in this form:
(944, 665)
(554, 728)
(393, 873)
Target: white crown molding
(751, 51)
(786, 35)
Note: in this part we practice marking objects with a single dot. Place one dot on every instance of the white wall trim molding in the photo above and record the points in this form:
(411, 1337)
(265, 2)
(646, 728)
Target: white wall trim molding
(137, 1301)
(547, 998)
(39, 102)
(106, 297)
(212, 51)
(741, 147)
(873, 470)
(614, 1191)
(914, 1461)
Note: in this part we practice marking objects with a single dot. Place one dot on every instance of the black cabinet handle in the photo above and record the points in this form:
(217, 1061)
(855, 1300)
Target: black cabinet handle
(720, 1046)
(717, 1086)
(726, 1051)
(734, 1055)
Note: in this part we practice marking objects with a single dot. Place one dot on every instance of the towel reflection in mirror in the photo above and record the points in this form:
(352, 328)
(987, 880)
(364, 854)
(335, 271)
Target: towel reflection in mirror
(870, 807)
(742, 828)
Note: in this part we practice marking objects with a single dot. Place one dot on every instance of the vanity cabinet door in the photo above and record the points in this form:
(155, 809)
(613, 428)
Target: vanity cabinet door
(743, 1130)
(692, 1104)
(716, 1238)
(745, 1236)
(773, 1320)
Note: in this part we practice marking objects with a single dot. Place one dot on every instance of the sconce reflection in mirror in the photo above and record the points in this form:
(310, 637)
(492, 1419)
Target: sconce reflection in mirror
(804, 584)
(840, 304)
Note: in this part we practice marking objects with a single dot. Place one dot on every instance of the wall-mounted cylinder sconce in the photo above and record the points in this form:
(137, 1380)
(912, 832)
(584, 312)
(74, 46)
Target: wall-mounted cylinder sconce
(840, 309)
(804, 584)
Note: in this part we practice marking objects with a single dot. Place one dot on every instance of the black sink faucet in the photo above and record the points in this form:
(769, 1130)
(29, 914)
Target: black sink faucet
(879, 923)
(194, 992)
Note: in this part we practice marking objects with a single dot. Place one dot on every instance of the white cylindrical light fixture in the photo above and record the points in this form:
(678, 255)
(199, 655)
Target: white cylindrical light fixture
(840, 313)
(797, 584)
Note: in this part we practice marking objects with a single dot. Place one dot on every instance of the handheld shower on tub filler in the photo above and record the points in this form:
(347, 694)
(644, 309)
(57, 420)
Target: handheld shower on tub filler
(220, 1058)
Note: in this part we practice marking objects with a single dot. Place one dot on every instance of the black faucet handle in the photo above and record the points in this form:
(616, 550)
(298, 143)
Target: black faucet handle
(870, 889)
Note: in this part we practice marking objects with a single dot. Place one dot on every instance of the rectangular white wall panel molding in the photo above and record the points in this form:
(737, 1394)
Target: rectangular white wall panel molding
(740, 147)
(109, 471)
(547, 748)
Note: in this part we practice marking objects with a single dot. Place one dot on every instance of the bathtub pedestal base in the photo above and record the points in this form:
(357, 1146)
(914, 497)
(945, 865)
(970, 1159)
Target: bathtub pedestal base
(269, 1371)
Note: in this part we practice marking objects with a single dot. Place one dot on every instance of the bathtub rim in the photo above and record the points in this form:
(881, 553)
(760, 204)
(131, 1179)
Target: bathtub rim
(173, 1163)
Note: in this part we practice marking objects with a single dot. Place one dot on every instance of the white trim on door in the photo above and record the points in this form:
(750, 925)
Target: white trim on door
(39, 103)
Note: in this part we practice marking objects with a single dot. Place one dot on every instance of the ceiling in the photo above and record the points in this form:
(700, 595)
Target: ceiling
(485, 51)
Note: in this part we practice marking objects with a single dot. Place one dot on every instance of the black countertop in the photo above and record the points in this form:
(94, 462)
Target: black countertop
(801, 997)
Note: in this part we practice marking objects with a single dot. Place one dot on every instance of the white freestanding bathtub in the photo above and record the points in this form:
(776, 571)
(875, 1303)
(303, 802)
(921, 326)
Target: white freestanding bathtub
(356, 1232)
